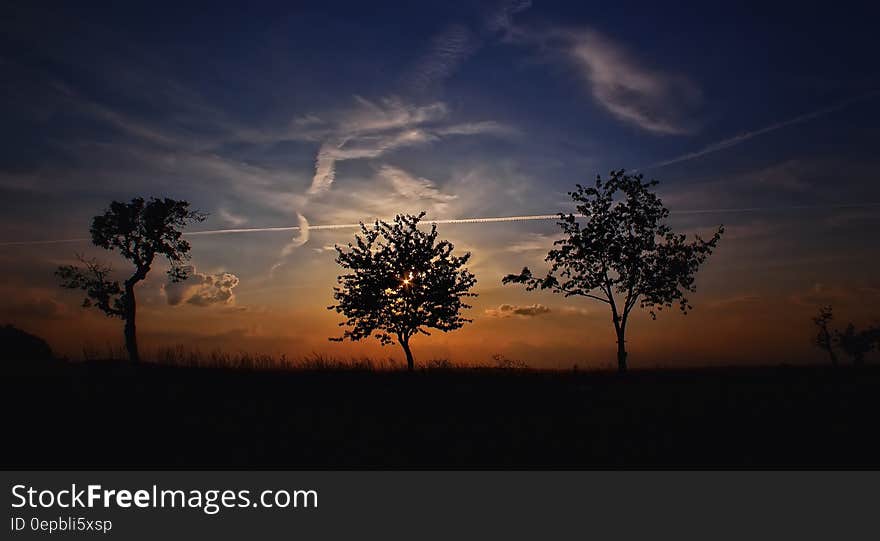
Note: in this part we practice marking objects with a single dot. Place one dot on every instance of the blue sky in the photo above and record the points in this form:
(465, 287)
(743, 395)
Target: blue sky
(322, 112)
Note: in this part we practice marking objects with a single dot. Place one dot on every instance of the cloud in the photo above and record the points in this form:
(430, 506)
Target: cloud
(448, 50)
(651, 99)
(35, 308)
(307, 120)
(371, 130)
(231, 218)
(301, 238)
(531, 242)
(413, 188)
(502, 18)
(487, 127)
(456, 42)
(389, 114)
(573, 311)
(822, 294)
(325, 170)
(352, 148)
(156, 151)
(374, 129)
(512, 310)
(201, 289)
(743, 301)
(534, 310)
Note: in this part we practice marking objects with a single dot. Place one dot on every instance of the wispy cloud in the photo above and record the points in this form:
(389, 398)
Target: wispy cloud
(743, 137)
(301, 238)
(512, 310)
(298, 240)
(189, 138)
(447, 51)
(353, 147)
(414, 188)
(371, 130)
(501, 19)
(486, 127)
(387, 114)
(452, 46)
(231, 218)
(530, 243)
(654, 100)
(821, 294)
(375, 129)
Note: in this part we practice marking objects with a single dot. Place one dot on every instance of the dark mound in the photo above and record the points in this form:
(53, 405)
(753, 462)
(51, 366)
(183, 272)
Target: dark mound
(18, 345)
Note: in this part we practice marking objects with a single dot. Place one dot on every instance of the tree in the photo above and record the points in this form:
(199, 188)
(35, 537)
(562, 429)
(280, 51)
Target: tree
(824, 338)
(139, 231)
(402, 282)
(622, 253)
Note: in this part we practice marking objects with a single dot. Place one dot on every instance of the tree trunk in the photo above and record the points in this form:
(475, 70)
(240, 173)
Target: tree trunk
(620, 329)
(130, 328)
(827, 343)
(621, 351)
(410, 363)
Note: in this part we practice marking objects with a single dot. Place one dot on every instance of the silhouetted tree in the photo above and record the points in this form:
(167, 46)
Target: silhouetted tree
(402, 282)
(824, 338)
(622, 253)
(857, 343)
(139, 231)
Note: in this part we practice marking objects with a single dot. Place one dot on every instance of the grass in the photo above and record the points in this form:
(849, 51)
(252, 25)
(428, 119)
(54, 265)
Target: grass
(183, 356)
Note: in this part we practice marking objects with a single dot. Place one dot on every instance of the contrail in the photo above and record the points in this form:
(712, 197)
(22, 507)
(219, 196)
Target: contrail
(357, 225)
(482, 220)
(737, 139)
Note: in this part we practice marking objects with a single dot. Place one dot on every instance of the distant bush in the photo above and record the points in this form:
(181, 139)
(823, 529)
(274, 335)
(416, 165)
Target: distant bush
(503, 363)
(855, 343)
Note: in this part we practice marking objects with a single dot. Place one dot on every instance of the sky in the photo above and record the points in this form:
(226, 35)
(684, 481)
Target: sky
(301, 114)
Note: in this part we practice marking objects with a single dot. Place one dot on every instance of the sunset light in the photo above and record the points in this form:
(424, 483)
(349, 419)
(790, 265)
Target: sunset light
(481, 234)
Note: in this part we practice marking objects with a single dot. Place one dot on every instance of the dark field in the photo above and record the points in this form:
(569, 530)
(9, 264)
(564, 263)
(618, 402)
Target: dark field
(107, 415)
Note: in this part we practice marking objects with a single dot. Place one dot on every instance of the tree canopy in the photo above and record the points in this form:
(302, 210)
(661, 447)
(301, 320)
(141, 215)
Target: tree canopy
(402, 282)
(139, 230)
(620, 251)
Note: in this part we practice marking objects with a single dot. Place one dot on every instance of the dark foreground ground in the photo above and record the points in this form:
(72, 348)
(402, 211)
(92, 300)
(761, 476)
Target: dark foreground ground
(104, 415)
